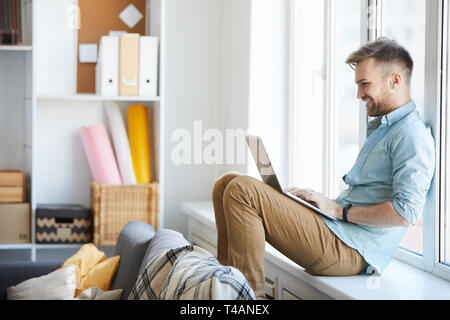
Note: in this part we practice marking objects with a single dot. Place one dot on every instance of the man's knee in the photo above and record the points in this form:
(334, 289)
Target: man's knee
(240, 186)
(221, 183)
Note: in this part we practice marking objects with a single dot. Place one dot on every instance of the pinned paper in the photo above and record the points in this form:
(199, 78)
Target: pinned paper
(88, 53)
(131, 16)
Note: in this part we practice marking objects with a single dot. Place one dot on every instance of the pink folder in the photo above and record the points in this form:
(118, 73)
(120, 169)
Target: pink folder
(100, 154)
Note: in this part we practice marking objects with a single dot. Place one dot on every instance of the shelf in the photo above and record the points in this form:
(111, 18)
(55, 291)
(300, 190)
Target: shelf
(13, 246)
(93, 97)
(63, 246)
(17, 47)
(19, 246)
(58, 245)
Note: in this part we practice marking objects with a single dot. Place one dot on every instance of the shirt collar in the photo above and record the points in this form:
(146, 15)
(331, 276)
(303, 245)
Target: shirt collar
(398, 113)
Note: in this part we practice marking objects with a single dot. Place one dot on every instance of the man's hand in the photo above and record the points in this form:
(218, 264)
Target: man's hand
(318, 200)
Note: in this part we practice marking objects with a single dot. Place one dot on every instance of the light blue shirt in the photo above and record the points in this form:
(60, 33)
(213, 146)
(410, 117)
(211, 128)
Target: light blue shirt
(395, 164)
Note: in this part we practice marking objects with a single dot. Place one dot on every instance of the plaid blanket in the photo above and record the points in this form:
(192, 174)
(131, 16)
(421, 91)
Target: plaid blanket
(190, 273)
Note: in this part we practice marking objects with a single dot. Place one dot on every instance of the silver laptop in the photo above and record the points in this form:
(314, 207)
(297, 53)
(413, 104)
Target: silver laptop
(268, 175)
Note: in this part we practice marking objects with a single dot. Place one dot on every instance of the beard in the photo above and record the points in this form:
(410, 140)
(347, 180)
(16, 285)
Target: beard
(379, 107)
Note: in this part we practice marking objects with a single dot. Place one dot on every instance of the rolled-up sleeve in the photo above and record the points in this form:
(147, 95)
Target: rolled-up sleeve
(413, 163)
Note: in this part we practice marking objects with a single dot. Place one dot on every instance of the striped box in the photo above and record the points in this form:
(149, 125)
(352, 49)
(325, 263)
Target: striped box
(63, 224)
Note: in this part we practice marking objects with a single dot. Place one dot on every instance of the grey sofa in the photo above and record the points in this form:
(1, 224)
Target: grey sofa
(137, 245)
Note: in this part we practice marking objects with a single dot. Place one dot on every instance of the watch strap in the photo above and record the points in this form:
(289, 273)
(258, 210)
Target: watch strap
(345, 212)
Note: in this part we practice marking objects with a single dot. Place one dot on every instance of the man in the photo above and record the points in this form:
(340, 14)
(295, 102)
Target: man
(386, 192)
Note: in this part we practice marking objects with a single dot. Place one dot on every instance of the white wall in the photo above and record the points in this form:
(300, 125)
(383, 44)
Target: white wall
(207, 70)
(269, 75)
(12, 110)
(55, 45)
(191, 94)
(62, 173)
(234, 77)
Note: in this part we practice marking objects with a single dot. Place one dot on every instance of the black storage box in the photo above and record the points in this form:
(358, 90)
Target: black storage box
(63, 223)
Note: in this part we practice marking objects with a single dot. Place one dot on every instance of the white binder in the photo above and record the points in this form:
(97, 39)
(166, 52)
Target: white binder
(148, 66)
(107, 68)
(121, 143)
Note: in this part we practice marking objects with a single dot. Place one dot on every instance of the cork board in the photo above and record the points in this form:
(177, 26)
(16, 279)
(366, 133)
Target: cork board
(97, 18)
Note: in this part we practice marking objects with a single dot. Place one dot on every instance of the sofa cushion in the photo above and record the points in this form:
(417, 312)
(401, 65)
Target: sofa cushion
(164, 240)
(100, 276)
(95, 293)
(197, 275)
(86, 258)
(57, 285)
(152, 278)
(191, 273)
(12, 273)
(131, 246)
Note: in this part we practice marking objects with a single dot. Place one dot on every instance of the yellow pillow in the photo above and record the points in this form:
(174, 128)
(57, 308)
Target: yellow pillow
(86, 258)
(100, 276)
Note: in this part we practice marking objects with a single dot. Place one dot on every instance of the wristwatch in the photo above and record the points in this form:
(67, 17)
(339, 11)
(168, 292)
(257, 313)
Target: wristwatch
(345, 212)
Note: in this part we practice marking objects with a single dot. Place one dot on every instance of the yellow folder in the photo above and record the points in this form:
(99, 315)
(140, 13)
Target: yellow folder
(129, 64)
(138, 134)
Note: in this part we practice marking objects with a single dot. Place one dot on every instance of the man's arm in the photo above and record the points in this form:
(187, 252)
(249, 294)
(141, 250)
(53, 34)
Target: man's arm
(381, 215)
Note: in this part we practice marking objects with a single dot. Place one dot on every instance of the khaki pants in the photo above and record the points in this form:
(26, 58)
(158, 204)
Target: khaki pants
(249, 212)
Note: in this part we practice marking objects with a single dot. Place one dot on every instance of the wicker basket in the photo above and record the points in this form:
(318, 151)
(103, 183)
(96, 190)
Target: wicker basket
(114, 205)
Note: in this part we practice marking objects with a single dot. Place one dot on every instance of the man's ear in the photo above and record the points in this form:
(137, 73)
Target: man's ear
(396, 80)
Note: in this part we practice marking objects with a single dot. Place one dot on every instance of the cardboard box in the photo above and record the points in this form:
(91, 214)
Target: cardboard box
(12, 178)
(12, 194)
(15, 223)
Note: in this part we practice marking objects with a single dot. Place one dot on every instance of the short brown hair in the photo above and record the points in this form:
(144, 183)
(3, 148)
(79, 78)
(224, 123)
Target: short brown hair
(384, 50)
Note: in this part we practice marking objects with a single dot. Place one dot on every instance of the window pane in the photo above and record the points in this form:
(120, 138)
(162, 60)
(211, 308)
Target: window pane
(308, 104)
(346, 135)
(404, 21)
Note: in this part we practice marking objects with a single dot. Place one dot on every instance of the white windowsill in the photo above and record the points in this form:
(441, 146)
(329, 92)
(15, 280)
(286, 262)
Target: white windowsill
(399, 281)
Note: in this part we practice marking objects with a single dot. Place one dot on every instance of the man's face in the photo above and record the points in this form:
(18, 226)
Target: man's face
(374, 87)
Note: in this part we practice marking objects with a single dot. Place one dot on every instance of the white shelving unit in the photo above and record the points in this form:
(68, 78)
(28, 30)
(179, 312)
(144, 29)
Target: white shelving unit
(94, 97)
(41, 115)
(15, 48)
(16, 92)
